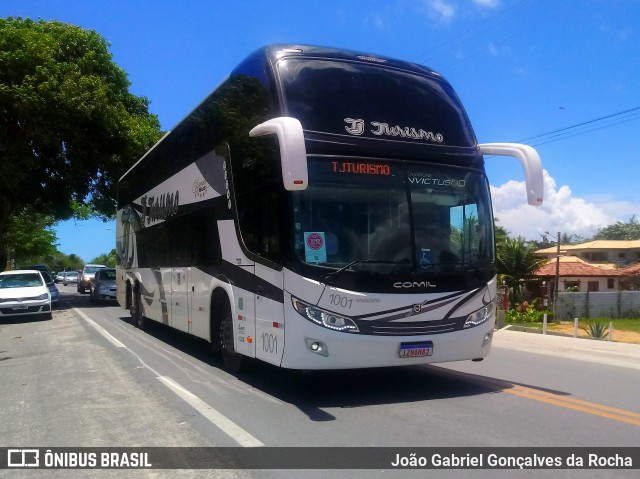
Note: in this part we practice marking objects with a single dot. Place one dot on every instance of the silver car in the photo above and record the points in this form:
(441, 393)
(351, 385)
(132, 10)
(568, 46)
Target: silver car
(86, 277)
(104, 285)
(70, 277)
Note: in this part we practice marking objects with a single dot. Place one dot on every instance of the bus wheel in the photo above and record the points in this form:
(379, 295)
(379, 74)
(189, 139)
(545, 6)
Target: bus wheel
(137, 315)
(231, 359)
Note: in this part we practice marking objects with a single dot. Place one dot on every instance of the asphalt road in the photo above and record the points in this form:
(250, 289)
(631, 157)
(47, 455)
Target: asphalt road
(89, 378)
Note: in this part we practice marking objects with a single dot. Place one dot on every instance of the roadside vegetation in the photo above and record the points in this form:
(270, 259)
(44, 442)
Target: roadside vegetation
(631, 325)
(69, 128)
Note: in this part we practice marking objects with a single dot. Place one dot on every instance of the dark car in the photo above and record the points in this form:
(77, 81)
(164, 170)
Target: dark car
(104, 285)
(53, 289)
(37, 267)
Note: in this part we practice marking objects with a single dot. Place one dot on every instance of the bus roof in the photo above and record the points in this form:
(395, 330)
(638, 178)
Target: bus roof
(278, 51)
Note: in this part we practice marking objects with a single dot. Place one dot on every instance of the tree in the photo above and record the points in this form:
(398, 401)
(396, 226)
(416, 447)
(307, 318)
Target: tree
(550, 240)
(620, 231)
(515, 262)
(501, 235)
(62, 262)
(106, 259)
(31, 237)
(69, 127)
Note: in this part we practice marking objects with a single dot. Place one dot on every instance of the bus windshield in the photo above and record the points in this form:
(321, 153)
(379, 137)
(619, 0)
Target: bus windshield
(371, 101)
(383, 217)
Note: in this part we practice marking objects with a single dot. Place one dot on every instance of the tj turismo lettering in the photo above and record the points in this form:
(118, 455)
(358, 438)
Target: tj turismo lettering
(360, 168)
(355, 126)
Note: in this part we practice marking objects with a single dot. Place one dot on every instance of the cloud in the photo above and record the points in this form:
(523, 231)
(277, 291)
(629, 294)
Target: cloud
(379, 21)
(441, 10)
(487, 3)
(493, 50)
(561, 211)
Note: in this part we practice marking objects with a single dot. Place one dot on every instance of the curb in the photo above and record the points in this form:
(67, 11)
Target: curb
(595, 351)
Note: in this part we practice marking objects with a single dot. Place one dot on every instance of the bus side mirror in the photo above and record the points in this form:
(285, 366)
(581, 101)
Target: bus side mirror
(293, 153)
(530, 161)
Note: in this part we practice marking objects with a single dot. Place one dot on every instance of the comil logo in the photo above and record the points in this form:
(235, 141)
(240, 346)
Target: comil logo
(23, 458)
(414, 284)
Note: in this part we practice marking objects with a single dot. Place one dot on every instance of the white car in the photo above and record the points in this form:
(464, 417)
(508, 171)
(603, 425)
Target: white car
(24, 293)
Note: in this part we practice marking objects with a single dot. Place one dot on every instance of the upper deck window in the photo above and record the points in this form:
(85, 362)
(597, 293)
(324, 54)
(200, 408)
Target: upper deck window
(373, 101)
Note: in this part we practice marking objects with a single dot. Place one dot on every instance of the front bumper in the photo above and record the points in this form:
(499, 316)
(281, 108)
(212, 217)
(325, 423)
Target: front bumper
(12, 309)
(347, 350)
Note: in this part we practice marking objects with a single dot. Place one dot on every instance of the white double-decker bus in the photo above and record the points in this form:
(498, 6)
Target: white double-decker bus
(321, 209)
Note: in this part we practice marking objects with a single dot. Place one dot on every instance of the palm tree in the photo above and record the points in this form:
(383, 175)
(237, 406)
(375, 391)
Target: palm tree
(516, 261)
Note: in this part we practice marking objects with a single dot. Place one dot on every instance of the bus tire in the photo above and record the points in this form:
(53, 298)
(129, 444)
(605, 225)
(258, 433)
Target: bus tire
(231, 360)
(137, 314)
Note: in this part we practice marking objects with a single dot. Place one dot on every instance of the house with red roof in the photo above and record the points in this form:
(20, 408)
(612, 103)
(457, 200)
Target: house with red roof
(576, 273)
(596, 266)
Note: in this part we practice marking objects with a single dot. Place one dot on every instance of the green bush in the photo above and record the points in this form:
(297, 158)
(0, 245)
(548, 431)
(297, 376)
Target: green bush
(526, 313)
(597, 330)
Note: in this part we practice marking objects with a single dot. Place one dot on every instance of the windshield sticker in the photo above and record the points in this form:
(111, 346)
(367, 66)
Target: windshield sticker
(356, 127)
(315, 247)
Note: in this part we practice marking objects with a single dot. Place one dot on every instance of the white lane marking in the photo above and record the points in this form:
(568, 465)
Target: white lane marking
(100, 329)
(218, 419)
(230, 428)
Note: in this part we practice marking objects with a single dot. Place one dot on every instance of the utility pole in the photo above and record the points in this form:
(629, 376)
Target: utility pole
(555, 295)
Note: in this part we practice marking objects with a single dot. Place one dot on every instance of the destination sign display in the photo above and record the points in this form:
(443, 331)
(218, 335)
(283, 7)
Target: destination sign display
(360, 168)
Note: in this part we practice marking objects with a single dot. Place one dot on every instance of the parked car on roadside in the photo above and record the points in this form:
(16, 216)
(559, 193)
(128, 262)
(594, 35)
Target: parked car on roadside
(24, 293)
(37, 267)
(53, 289)
(104, 285)
(85, 279)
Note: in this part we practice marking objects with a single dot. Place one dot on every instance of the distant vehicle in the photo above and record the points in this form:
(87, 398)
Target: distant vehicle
(59, 277)
(23, 293)
(55, 294)
(85, 279)
(70, 277)
(104, 285)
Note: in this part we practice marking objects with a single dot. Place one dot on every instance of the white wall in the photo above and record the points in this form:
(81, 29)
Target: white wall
(617, 304)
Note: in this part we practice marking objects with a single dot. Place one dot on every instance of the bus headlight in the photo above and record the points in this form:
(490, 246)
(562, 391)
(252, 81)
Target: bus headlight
(324, 318)
(479, 317)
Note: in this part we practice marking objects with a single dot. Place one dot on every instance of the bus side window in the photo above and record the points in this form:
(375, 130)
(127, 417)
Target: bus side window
(206, 249)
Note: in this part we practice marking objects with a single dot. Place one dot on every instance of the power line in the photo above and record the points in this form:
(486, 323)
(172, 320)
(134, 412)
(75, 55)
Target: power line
(560, 133)
(468, 35)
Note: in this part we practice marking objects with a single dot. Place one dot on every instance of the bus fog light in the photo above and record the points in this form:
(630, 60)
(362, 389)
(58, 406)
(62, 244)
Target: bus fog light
(317, 347)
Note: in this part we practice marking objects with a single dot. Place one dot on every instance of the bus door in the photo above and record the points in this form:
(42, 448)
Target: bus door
(179, 298)
(269, 334)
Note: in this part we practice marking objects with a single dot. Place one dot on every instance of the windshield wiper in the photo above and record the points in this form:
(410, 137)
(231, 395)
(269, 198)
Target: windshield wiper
(477, 272)
(361, 261)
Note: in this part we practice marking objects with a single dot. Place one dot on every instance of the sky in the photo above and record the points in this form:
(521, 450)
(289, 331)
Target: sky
(562, 76)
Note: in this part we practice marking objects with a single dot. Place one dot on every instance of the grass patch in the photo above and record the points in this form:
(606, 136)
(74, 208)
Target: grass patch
(631, 325)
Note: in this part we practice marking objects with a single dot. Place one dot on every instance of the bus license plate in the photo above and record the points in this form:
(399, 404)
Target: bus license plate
(416, 350)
